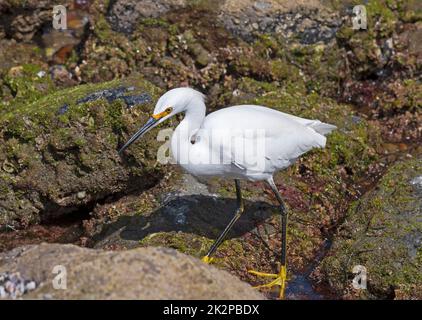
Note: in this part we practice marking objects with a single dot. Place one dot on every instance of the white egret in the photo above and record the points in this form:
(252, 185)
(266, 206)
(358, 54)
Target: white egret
(240, 142)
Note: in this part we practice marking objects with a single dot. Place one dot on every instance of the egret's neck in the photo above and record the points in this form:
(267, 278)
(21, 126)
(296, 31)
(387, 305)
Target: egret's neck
(181, 141)
(194, 116)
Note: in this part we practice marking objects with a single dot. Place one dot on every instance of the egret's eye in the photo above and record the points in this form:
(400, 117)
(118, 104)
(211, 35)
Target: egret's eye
(169, 109)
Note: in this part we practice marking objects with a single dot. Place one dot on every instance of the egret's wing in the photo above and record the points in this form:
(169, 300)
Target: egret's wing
(258, 135)
(318, 126)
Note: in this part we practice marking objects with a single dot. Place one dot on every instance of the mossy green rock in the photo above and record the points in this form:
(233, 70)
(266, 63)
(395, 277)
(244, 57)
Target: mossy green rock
(57, 155)
(383, 233)
(25, 83)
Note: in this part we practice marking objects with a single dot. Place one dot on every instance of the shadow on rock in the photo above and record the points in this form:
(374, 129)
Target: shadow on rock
(201, 215)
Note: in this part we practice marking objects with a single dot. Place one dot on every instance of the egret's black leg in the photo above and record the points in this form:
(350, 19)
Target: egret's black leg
(280, 278)
(237, 214)
(283, 222)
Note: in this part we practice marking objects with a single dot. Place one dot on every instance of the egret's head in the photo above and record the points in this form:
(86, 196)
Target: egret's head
(171, 103)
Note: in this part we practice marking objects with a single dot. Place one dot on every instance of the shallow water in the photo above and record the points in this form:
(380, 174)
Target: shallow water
(300, 288)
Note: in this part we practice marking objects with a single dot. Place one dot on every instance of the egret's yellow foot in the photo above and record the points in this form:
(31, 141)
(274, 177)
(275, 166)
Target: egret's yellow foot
(207, 259)
(279, 280)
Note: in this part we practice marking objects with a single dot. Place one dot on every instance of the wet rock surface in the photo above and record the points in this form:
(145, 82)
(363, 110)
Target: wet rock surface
(146, 273)
(117, 93)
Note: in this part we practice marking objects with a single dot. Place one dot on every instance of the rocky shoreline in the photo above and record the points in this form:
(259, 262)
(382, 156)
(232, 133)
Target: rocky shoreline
(66, 106)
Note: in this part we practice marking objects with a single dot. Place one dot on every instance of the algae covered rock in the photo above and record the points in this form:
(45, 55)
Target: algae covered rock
(59, 153)
(383, 233)
(383, 61)
(23, 84)
(145, 273)
(185, 214)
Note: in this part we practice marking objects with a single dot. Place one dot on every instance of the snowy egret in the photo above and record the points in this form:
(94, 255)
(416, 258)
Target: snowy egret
(240, 142)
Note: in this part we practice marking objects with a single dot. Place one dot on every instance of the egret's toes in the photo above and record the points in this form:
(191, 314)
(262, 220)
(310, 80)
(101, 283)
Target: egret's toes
(280, 280)
(271, 284)
(263, 274)
(207, 259)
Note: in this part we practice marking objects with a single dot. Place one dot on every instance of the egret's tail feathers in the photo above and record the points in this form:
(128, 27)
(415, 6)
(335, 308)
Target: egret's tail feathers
(320, 140)
(322, 128)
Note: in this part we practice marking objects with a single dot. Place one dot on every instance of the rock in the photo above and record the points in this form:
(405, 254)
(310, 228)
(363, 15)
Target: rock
(14, 54)
(417, 182)
(145, 273)
(60, 75)
(13, 286)
(306, 19)
(25, 85)
(384, 61)
(187, 208)
(81, 195)
(31, 21)
(199, 53)
(383, 233)
(41, 74)
(63, 143)
(245, 18)
(124, 14)
(26, 18)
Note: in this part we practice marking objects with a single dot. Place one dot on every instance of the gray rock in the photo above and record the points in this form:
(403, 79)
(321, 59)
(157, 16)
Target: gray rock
(309, 21)
(145, 273)
(124, 14)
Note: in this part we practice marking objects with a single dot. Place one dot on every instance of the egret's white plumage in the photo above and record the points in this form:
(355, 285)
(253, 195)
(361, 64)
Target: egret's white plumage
(285, 137)
(241, 142)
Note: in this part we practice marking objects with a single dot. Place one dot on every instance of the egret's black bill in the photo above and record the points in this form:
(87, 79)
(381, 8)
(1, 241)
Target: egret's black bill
(150, 123)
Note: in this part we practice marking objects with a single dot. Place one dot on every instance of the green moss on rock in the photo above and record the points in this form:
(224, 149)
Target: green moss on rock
(52, 148)
(27, 82)
(382, 232)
